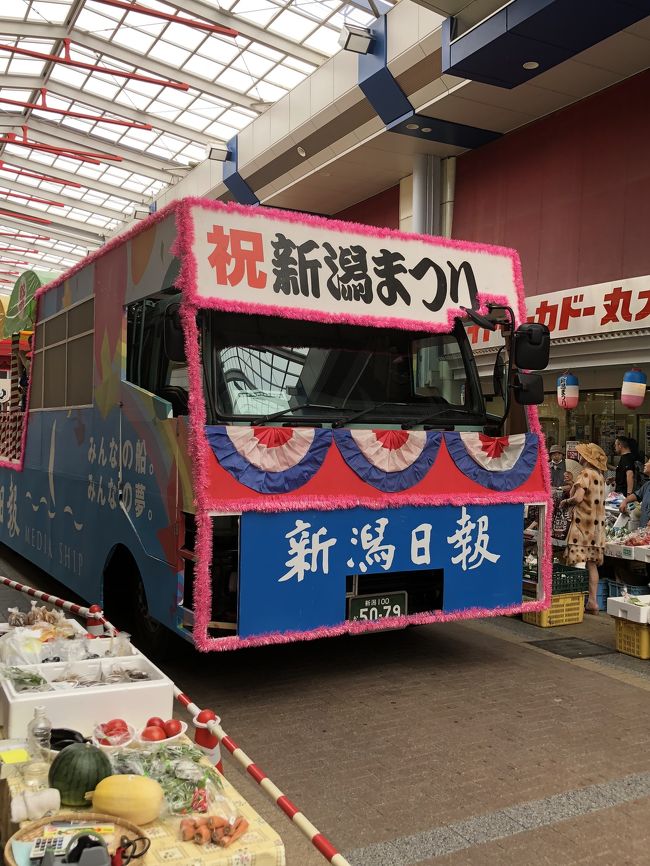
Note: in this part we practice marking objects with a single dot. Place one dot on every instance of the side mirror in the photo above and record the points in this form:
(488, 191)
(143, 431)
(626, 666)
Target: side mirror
(532, 346)
(500, 375)
(174, 339)
(528, 389)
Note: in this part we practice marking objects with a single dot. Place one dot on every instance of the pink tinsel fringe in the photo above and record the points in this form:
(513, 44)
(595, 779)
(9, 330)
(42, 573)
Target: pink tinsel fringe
(200, 451)
(359, 627)
(331, 503)
(199, 448)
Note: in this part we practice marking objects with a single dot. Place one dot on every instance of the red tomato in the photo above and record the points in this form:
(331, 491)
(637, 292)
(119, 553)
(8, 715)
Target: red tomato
(115, 726)
(172, 727)
(153, 732)
(155, 722)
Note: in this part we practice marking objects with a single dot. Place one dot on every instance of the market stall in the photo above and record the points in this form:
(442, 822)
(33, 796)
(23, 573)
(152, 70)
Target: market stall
(73, 777)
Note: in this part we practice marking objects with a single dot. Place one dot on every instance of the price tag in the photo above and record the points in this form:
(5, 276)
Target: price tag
(627, 552)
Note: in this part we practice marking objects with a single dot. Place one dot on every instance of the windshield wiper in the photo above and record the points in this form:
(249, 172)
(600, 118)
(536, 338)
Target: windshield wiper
(256, 422)
(343, 421)
(458, 410)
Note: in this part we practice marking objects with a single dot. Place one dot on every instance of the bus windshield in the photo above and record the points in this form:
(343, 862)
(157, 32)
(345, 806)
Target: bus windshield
(265, 368)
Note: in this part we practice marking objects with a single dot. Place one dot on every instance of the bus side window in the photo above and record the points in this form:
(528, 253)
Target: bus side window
(148, 362)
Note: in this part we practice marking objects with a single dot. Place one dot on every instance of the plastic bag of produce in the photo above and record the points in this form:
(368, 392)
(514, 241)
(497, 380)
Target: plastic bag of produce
(21, 646)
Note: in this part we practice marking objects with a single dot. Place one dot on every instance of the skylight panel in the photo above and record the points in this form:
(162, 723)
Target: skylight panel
(265, 51)
(268, 92)
(299, 65)
(134, 39)
(135, 187)
(25, 66)
(17, 9)
(324, 39)
(260, 12)
(116, 175)
(133, 100)
(295, 27)
(207, 69)
(92, 22)
(101, 87)
(221, 50)
(284, 77)
(19, 95)
(235, 118)
(108, 133)
(177, 98)
(54, 13)
(192, 121)
(137, 137)
(169, 53)
(73, 122)
(144, 23)
(221, 131)
(67, 75)
(184, 36)
(236, 80)
(252, 63)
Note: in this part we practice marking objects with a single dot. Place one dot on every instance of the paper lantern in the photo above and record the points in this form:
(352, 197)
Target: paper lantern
(633, 390)
(568, 391)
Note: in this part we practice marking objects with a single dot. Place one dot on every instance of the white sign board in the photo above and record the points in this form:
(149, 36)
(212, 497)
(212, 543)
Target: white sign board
(256, 257)
(621, 305)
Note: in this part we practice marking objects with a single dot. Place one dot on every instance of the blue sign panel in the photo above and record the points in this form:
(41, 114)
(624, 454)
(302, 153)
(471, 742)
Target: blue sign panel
(293, 566)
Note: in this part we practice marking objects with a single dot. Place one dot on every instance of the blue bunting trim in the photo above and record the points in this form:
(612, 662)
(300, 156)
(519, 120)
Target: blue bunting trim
(268, 482)
(388, 482)
(500, 481)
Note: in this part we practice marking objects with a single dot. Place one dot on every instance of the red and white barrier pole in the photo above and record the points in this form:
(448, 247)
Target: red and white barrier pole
(320, 842)
(93, 613)
(204, 739)
(95, 621)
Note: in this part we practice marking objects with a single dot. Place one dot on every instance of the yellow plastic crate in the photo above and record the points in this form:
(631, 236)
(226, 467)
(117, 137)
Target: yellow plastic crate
(632, 638)
(566, 609)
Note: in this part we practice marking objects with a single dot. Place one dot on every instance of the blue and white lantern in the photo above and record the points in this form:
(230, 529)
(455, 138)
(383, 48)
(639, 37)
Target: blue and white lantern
(568, 391)
(633, 390)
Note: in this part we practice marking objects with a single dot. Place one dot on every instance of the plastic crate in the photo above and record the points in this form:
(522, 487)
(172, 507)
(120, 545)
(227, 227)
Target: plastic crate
(616, 589)
(566, 609)
(567, 578)
(632, 638)
(603, 594)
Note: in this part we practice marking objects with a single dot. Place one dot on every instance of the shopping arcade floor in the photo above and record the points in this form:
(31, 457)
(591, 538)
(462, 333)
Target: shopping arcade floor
(455, 744)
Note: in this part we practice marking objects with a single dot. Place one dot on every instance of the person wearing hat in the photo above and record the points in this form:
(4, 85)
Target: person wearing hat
(586, 536)
(558, 466)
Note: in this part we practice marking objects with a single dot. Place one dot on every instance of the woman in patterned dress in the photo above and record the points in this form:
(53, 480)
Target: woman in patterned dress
(585, 540)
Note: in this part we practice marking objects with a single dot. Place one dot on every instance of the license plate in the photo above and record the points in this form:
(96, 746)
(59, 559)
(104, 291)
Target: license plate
(372, 607)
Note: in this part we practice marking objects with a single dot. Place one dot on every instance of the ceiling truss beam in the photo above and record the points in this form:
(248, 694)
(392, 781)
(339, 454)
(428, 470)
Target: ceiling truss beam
(55, 88)
(36, 245)
(251, 31)
(57, 136)
(67, 229)
(59, 196)
(52, 171)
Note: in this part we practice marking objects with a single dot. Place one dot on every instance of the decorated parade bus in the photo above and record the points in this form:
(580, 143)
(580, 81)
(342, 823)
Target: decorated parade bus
(251, 426)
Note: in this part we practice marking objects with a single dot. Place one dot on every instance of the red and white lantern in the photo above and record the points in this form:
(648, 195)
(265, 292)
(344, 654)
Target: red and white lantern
(568, 391)
(633, 388)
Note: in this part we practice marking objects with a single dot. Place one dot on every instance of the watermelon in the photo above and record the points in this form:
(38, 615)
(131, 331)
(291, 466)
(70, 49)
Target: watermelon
(76, 770)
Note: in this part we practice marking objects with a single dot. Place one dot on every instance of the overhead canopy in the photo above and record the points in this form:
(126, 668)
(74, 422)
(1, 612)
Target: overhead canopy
(21, 309)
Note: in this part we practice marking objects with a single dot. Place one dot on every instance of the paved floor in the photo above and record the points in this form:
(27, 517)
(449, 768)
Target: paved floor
(458, 744)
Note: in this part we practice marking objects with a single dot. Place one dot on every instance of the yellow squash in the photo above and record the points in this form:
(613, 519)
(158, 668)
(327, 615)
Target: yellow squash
(136, 798)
